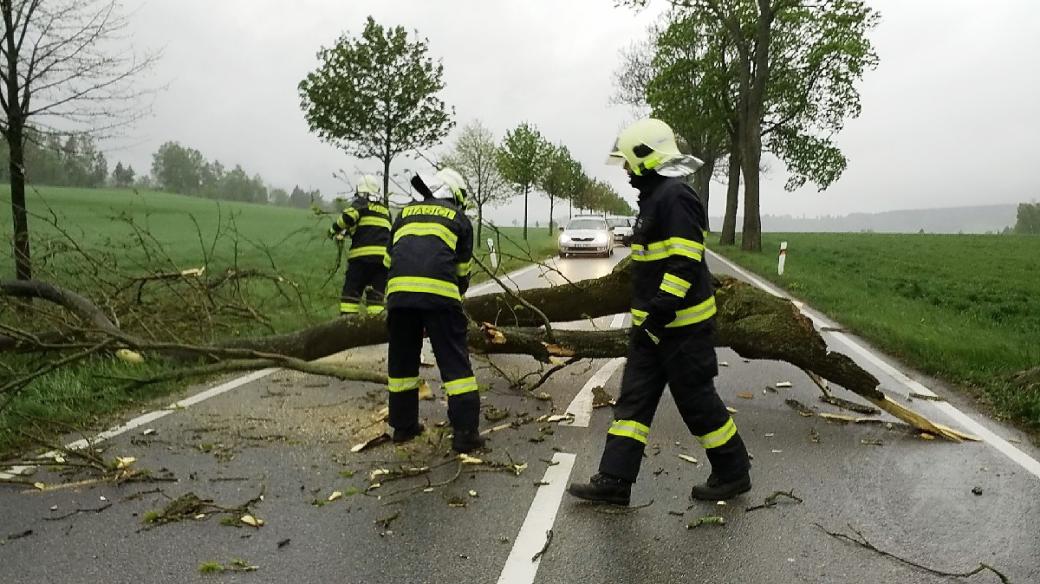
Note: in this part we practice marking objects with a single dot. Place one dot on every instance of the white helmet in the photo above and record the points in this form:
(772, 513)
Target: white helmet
(367, 186)
(449, 184)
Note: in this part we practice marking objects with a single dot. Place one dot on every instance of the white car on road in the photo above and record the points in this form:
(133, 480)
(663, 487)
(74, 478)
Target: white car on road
(586, 235)
(622, 228)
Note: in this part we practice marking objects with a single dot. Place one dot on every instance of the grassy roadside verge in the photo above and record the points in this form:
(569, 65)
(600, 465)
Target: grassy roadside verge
(514, 252)
(290, 242)
(963, 308)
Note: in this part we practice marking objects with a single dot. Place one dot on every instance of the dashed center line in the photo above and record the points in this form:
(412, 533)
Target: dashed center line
(581, 406)
(522, 564)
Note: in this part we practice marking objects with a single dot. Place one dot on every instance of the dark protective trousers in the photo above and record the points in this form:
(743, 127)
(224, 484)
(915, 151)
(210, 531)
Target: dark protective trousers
(363, 273)
(446, 327)
(687, 364)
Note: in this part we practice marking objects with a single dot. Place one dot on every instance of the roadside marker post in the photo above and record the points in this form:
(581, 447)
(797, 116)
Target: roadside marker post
(782, 259)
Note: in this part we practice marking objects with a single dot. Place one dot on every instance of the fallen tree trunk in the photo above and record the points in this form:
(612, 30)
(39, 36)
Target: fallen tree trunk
(753, 323)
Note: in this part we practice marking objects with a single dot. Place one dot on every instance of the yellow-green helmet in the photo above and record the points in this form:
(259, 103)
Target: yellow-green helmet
(645, 145)
(367, 185)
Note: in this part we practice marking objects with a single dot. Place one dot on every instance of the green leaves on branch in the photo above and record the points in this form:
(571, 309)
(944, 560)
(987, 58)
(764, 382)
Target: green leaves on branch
(375, 95)
(522, 156)
(475, 156)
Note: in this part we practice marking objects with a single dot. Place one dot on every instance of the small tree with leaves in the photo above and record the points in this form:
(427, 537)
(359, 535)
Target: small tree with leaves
(794, 69)
(562, 175)
(60, 67)
(521, 160)
(474, 156)
(1028, 219)
(375, 95)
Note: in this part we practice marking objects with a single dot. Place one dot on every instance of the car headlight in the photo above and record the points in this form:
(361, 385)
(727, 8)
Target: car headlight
(565, 239)
(601, 238)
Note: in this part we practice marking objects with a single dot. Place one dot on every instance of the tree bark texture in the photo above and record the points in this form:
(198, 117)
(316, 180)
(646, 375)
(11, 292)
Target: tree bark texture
(552, 205)
(751, 322)
(15, 135)
(702, 185)
(526, 189)
(729, 222)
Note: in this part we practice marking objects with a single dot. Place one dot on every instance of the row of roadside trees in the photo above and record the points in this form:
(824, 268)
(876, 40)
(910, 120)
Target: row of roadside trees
(525, 162)
(375, 95)
(740, 79)
(184, 170)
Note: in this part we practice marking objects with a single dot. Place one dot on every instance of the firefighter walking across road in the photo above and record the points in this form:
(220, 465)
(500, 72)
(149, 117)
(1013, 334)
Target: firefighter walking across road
(430, 260)
(367, 223)
(673, 327)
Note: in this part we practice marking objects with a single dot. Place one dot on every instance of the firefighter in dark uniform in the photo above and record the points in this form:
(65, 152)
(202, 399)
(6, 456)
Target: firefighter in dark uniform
(367, 223)
(430, 260)
(673, 327)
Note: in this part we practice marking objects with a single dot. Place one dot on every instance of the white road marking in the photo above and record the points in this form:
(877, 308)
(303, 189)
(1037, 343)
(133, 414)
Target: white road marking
(485, 286)
(16, 471)
(581, 405)
(520, 568)
(618, 320)
(1003, 446)
(148, 418)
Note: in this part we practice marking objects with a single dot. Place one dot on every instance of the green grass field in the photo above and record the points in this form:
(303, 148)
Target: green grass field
(964, 308)
(290, 242)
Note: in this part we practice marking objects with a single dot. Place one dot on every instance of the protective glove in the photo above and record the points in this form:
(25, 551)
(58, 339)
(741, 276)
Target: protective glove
(659, 314)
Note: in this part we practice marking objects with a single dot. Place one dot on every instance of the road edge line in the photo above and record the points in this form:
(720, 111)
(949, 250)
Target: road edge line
(1016, 455)
(138, 421)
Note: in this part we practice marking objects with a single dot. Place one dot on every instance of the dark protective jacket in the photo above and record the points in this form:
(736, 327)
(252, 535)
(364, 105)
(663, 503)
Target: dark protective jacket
(368, 225)
(672, 290)
(430, 257)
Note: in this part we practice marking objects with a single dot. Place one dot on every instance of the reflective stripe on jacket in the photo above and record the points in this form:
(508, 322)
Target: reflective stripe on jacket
(431, 252)
(368, 226)
(669, 275)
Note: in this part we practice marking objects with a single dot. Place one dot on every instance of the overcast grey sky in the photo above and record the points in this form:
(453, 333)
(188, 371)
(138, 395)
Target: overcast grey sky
(949, 117)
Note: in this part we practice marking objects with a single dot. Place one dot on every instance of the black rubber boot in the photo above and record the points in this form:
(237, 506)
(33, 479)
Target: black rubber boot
(603, 488)
(403, 435)
(717, 490)
(466, 442)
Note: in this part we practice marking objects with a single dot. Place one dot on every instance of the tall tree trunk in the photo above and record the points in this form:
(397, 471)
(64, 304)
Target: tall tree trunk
(552, 204)
(16, 147)
(386, 180)
(526, 188)
(751, 235)
(702, 184)
(480, 221)
(22, 258)
(729, 222)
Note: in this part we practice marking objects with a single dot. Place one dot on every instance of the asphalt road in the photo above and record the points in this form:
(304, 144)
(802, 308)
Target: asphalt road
(288, 436)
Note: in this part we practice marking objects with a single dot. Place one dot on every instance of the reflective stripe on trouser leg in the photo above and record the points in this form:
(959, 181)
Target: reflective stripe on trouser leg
(718, 437)
(641, 387)
(630, 429)
(354, 281)
(446, 328)
(374, 293)
(405, 330)
(690, 379)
